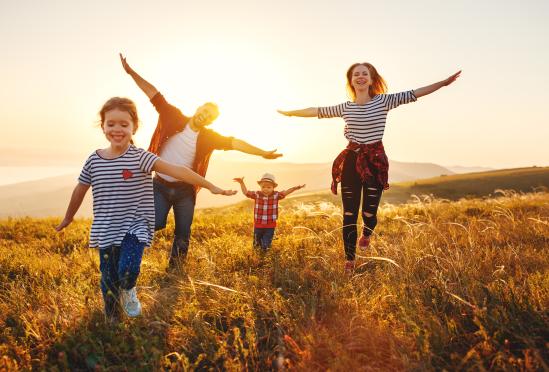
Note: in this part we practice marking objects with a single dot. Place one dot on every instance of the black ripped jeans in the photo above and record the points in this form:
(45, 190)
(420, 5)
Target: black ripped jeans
(352, 189)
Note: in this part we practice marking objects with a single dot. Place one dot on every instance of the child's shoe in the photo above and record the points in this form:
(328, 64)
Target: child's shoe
(130, 302)
(364, 242)
(349, 267)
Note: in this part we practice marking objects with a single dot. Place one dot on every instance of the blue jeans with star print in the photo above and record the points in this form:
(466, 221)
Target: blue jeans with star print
(119, 266)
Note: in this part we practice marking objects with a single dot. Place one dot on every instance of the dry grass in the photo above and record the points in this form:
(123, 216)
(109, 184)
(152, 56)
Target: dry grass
(446, 285)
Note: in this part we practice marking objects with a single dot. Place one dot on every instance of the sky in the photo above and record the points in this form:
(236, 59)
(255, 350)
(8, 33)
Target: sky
(60, 64)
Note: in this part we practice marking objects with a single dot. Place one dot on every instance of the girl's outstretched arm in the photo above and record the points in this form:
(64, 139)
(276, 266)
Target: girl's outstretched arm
(292, 189)
(310, 112)
(143, 84)
(187, 175)
(76, 201)
(420, 92)
(240, 180)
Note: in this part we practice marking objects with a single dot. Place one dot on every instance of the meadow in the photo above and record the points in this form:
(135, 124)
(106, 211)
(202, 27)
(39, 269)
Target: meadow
(445, 285)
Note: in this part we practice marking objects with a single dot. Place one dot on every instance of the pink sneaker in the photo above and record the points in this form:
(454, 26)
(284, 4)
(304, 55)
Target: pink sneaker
(349, 267)
(364, 242)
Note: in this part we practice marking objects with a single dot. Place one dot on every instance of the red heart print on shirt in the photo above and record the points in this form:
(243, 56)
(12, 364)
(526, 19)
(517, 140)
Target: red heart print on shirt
(126, 173)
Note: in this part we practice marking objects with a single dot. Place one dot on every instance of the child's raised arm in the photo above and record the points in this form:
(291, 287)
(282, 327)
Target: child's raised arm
(420, 92)
(240, 180)
(292, 189)
(186, 174)
(76, 201)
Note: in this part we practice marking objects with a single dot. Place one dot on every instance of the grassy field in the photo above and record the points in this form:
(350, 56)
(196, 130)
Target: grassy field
(445, 285)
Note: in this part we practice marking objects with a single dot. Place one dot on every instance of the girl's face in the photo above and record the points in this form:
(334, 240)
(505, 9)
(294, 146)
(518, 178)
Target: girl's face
(118, 127)
(361, 79)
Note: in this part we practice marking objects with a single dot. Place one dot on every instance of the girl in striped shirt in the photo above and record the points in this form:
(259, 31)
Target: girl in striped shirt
(123, 204)
(362, 168)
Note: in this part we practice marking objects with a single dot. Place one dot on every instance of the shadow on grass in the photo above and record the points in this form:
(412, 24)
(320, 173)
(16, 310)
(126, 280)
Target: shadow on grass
(138, 343)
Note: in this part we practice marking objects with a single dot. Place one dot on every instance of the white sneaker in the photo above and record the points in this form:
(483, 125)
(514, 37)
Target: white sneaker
(130, 302)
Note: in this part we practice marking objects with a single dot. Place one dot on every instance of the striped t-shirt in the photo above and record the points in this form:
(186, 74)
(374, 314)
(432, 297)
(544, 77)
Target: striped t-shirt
(122, 196)
(366, 123)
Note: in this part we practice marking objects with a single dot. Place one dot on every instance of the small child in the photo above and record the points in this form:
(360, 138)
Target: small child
(123, 207)
(266, 208)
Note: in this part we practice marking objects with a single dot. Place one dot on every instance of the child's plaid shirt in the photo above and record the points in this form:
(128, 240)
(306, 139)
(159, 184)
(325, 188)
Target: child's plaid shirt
(266, 208)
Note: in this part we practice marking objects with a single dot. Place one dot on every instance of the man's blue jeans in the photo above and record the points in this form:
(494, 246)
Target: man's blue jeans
(120, 266)
(263, 237)
(182, 198)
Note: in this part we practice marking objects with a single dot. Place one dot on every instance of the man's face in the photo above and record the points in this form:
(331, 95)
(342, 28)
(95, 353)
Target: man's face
(205, 114)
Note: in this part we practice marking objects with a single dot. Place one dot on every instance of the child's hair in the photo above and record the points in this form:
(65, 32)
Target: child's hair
(122, 104)
(378, 86)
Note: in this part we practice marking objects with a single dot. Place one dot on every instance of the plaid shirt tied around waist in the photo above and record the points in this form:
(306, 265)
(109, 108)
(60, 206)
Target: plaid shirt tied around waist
(371, 162)
(265, 208)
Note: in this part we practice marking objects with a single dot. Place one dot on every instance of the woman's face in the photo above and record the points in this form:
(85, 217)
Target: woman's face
(118, 127)
(360, 78)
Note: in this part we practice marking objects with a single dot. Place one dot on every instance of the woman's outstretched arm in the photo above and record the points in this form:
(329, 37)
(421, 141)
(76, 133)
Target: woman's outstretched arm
(143, 84)
(420, 92)
(310, 112)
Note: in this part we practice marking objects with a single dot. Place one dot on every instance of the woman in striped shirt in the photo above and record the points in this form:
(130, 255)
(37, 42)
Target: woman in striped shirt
(123, 204)
(362, 168)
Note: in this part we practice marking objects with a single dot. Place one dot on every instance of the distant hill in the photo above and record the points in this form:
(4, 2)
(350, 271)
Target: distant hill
(460, 169)
(49, 197)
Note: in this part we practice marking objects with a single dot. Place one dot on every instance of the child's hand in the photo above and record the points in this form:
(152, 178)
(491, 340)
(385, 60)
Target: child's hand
(239, 180)
(218, 191)
(66, 222)
(299, 187)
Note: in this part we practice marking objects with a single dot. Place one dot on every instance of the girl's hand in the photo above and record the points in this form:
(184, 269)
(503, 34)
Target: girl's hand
(286, 113)
(125, 64)
(218, 191)
(451, 79)
(298, 187)
(239, 180)
(271, 154)
(66, 222)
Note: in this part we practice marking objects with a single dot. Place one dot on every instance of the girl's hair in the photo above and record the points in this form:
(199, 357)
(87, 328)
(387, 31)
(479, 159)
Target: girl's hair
(378, 86)
(122, 104)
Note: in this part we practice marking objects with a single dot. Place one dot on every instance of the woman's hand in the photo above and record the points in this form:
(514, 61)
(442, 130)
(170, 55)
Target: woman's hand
(286, 113)
(66, 222)
(451, 79)
(423, 91)
(218, 191)
(239, 180)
